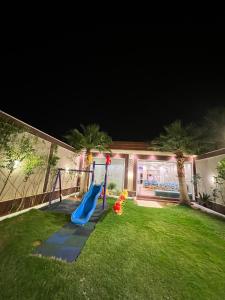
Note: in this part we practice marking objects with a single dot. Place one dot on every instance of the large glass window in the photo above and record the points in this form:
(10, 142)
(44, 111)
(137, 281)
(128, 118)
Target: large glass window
(115, 172)
(159, 178)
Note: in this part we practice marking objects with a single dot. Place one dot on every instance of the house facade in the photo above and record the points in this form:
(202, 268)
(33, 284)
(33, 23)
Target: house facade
(144, 173)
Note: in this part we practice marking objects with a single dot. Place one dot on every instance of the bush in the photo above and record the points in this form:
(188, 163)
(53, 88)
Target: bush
(221, 169)
(111, 186)
(204, 199)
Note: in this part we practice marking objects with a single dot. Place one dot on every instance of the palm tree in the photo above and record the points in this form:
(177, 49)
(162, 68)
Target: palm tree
(180, 140)
(90, 138)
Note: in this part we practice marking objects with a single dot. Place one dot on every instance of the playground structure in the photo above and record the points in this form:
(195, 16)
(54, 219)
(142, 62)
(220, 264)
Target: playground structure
(88, 203)
(84, 211)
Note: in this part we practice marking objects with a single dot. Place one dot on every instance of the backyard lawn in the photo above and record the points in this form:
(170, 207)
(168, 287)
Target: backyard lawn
(147, 253)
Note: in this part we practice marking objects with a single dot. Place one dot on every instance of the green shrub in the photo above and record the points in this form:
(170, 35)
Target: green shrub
(111, 186)
(204, 199)
(221, 169)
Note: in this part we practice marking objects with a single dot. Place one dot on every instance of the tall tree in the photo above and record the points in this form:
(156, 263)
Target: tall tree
(214, 126)
(91, 137)
(180, 140)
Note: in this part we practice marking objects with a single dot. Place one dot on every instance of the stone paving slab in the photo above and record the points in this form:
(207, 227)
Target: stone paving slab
(66, 253)
(148, 203)
(67, 243)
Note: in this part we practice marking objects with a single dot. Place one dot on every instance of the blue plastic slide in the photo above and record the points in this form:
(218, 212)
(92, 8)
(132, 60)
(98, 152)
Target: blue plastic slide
(84, 211)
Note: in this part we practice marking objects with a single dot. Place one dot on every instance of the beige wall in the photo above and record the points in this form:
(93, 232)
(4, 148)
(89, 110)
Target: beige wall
(68, 160)
(206, 168)
(17, 187)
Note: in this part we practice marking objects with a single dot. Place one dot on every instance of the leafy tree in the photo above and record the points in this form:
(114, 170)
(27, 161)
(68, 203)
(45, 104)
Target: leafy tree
(16, 151)
(8, 131)
(219, 189)
(32, 162)
(180, 140)
(213, 126)
(91, 137)
(53, 160)
(221, 168)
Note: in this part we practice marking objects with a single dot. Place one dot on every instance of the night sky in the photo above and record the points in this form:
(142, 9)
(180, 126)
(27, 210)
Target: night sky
(130, 79)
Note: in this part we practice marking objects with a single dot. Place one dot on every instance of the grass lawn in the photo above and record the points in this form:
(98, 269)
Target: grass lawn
(147, 253)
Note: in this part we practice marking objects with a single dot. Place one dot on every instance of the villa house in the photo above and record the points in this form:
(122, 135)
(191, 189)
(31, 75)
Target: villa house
(144, 173)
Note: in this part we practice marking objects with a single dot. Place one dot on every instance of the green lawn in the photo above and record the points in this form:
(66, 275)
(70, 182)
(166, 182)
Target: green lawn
(147, 253)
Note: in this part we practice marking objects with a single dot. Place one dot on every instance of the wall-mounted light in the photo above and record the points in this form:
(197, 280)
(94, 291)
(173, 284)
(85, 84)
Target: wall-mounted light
(152, 157)
(212, 179)
(16, 164)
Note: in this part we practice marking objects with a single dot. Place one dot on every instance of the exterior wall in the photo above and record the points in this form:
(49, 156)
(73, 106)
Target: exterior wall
(206, 168)
(23, 191)
(131, 160)
(18, 186)
(68, 160)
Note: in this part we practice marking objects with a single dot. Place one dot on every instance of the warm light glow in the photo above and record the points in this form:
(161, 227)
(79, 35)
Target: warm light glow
(152, 157)
(130, 175)
(173, 158)
(162, 169)
(212, 179)
(67, 170)
(16, 164)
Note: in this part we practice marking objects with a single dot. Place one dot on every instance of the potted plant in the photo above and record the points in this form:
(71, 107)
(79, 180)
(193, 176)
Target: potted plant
(111, 187)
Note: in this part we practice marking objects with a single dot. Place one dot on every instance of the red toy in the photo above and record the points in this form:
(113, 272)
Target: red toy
(122, 198)
(117, 207)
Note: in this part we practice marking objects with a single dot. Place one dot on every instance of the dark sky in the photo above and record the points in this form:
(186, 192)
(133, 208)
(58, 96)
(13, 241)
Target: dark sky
(131, 79)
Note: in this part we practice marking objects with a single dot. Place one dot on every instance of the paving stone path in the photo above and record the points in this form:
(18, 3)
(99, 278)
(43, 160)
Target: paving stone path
(67, 243)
